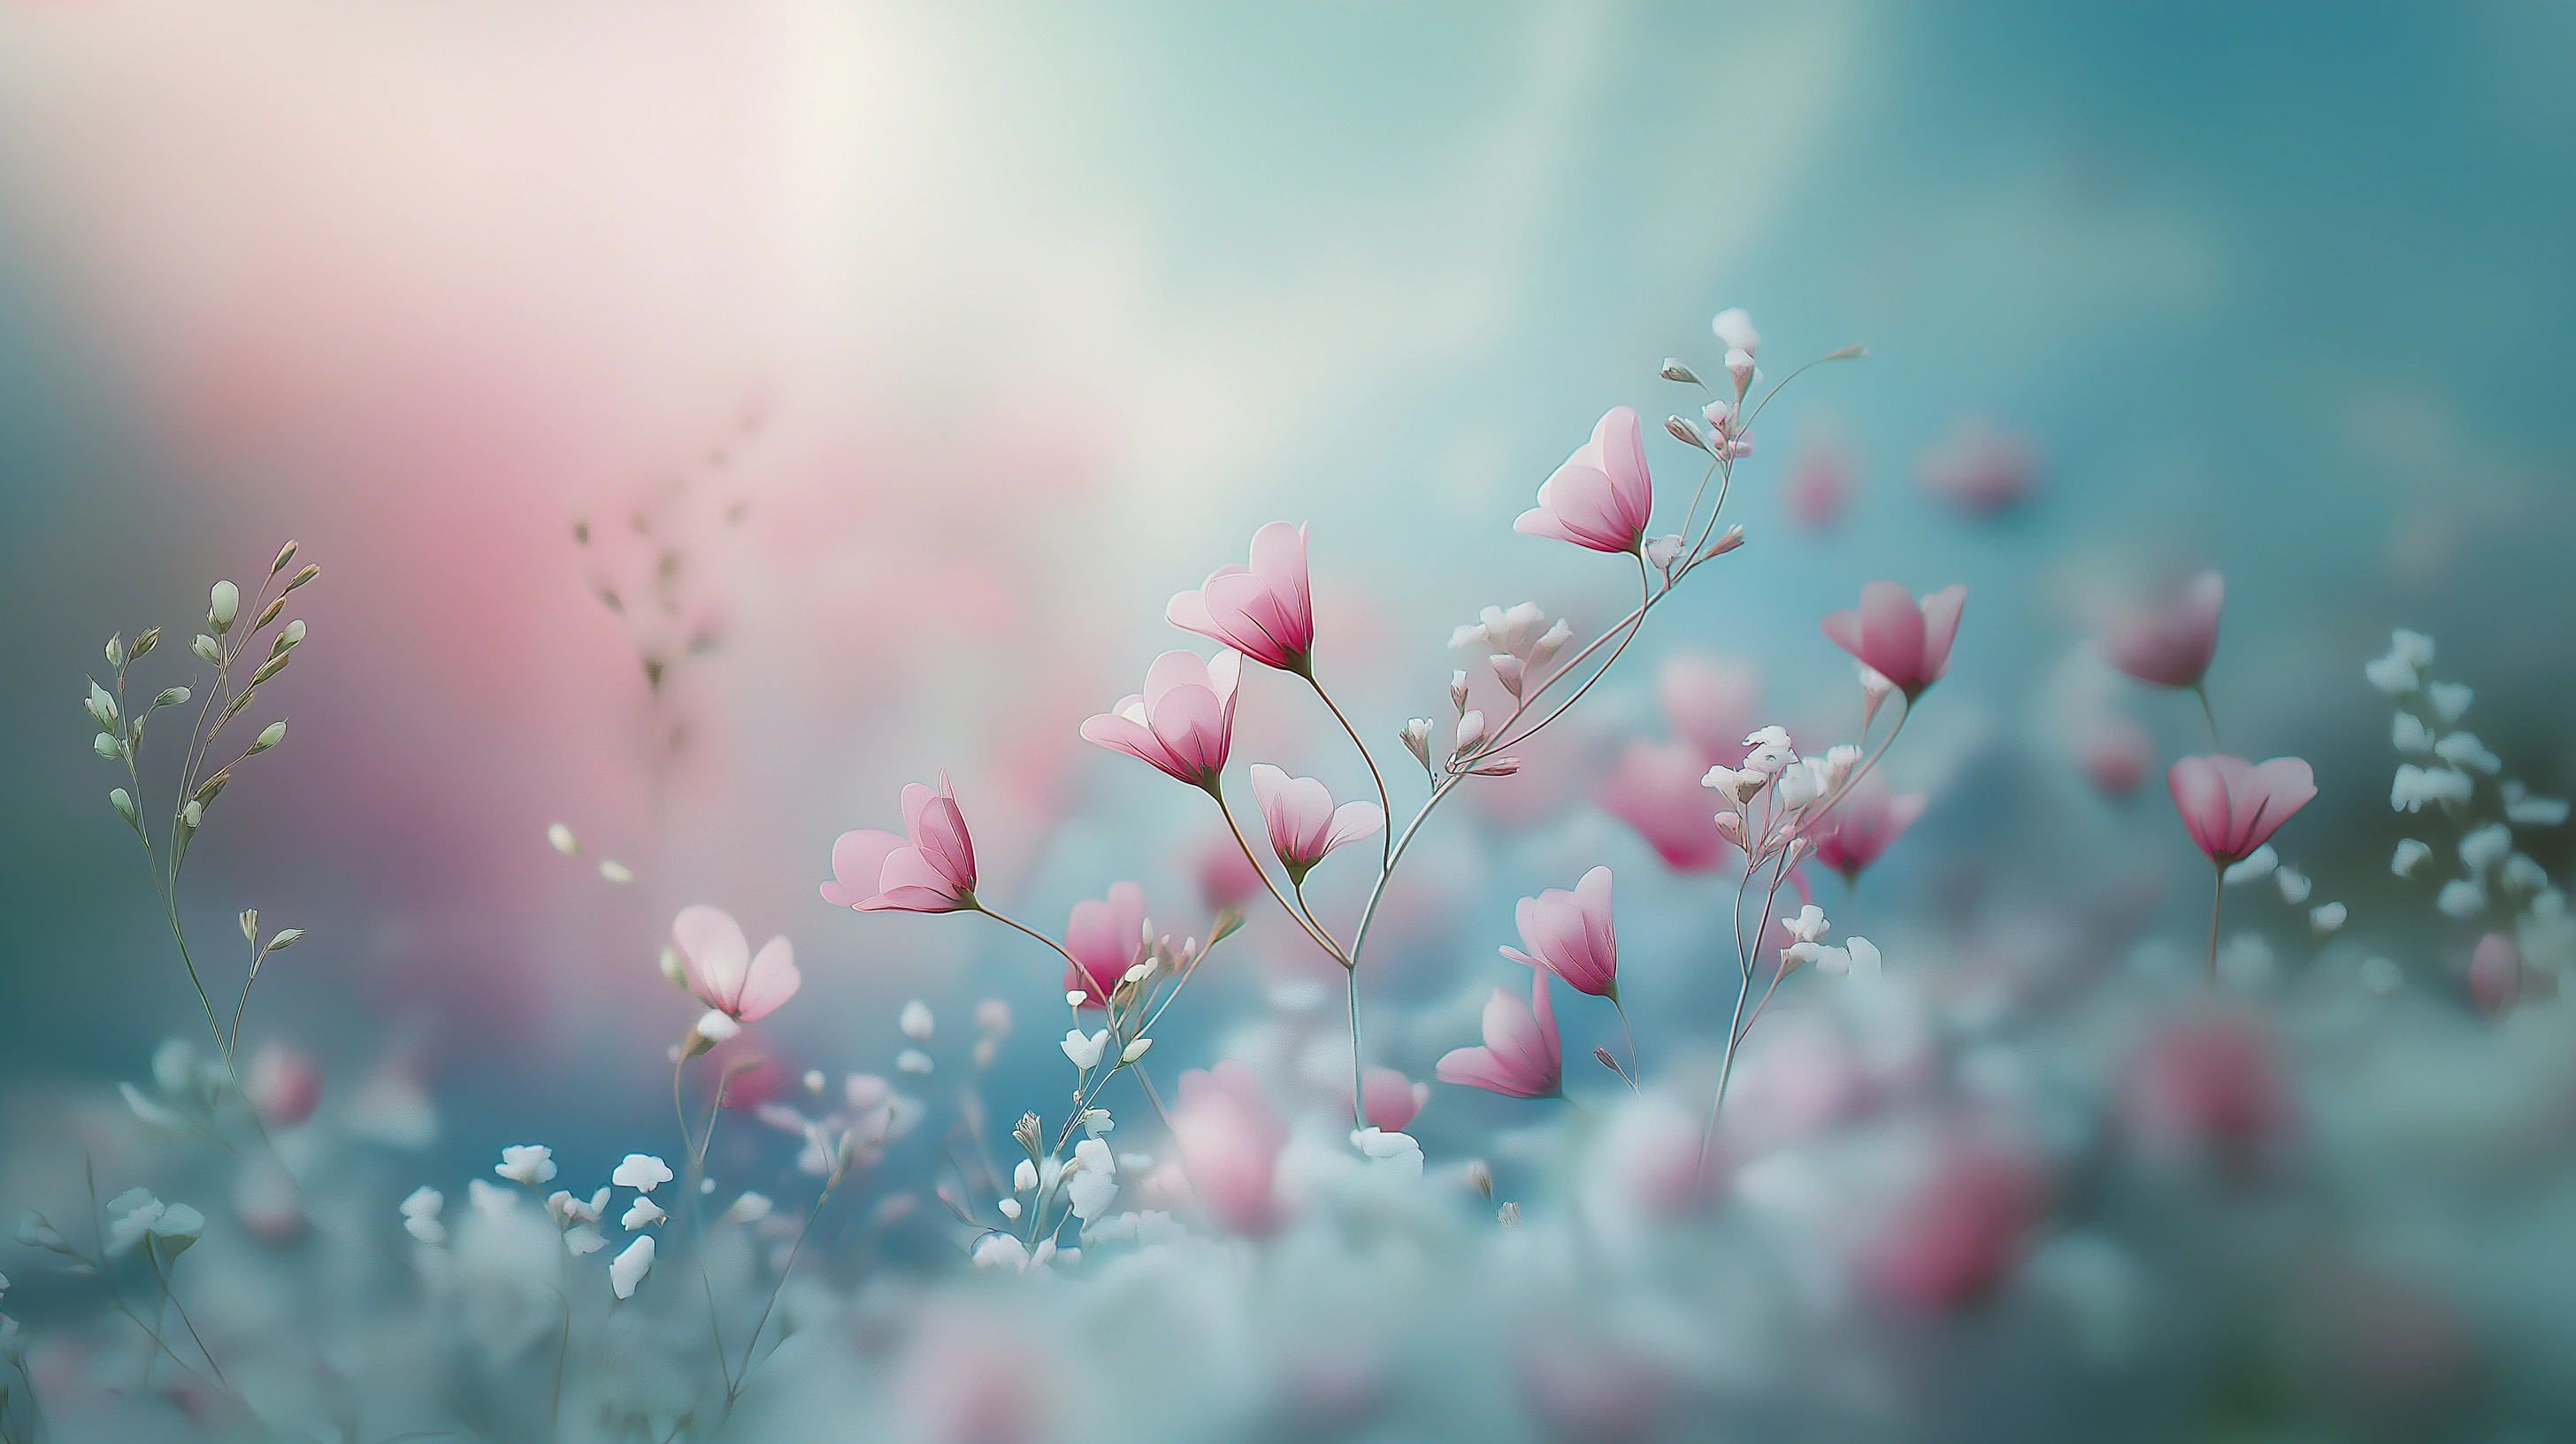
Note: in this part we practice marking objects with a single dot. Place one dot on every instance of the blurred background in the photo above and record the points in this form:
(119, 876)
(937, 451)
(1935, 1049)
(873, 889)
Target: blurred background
(898, 363)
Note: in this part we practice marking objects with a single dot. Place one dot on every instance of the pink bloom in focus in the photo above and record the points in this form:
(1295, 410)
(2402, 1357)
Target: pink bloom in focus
(1906, 643)
(1981, 469)
(1304, 824)
(1959, 1234)
(1655, 788)
(1106, 939)
(2171, 645)
(1520, 1057)
(1862, 825)
(929, 870)
(1230, 1141)
(722, 969)
(2231, 806)
(1570, 934)
(1263, 611)
(1602, 496)
(1389, 1099)
(1182, 723)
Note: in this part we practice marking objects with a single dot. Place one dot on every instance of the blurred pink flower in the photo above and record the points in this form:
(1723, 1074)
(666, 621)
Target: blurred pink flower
(1304, 824)
(929, 870)
(2171, 644)
(1961, 1232)
(1264, 611)
(1182, 723)
(1859, 828)
(1655, 788)
(2208, 1082)
(1710, 703)
(1230, 1141)
(2115, 751)
(1569, 934)
(1520, 1057)
(1980, 468)
(722, 969)
(1601, 497)
(1226, 878)
(1817, 491)
(1106, 939)
(1389, 1099)
(284, 1084)
(2495, 974)
(1906, 643)
(2231, 806)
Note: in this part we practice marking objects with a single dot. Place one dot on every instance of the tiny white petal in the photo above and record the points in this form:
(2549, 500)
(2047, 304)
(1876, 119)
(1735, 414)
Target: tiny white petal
(628, 1268)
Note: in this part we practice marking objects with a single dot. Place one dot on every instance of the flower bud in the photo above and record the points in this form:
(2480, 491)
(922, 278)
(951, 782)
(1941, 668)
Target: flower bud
(285, 554)
(1508, 671)
(1499, 767)
(193, 816)
(306, 575)
(1458, 691)
(669, 963)
(1676, 371)
(116, 651)
(1853, 352)
(207, 648)
(270, 668)
(1471, 730)
(1417, 740)
(1480, 1178)
(284, 939)
(1684, 432)
(1509, 1215)
(250, 925)
(107, 746)
(1732, 538)
(269, 736)
(1135, 1050)
(560, 838)
(171, 697)
(124, 806)
(225, 604)
(143, 644)
(1026, 1132)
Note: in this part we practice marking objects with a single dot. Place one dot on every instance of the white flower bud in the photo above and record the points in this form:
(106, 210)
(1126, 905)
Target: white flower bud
(225, 603)
(1135, 1050)
(269, 736)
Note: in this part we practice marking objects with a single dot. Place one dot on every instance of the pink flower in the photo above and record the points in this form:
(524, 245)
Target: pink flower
(1862, 825)
(1389, 1099)
(2114, 750)
(1520, 1057)
(1907, 644)
(930, 870)
(1263, 611)
(1304, 824)
(2231, 806)
(1981, 468)
(284, 1084)
(1226, 878)
(2171, 645)
(1106, 939)
(722, 969)
(1230, 1141)
(1816, 492)
(2207, 1083)
(2495, 974)
(1601, 497)
(1711, 703)
(1655, 789)
(1571, 936)
(1184, 720)
(1961, 1232)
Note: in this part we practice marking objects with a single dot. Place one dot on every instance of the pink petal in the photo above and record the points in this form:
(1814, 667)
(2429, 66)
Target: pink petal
(772, 981)
(858, 862)
(1891, 633)
(714, 952)
(1940, 625)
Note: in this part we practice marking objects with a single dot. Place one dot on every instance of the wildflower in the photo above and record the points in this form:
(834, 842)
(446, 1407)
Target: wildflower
(2295, 885)
(2521, 807)
(1264, 611)
(1025, 1177)
(2485, 847)
(1303, 822)
(2450, 700)
(2171, 645)
(628, 1268)
(1182, 723)
(2461, 898)
(1093, 1181)
(2410, 855)
(130, 1215)
(2232, 806)
(1522, 634)
(1655, 788)
(915, 1020)
(1389, 1149)
(642, 1213)
(528, 1163)
(1903, 641)
(1863, 825)
(2256, 864)
(641, 1172)
(1601, 496)
(420, 1215)
(1084, 1051)
(1389, 1100)
(583, 1239)
(1808, 925)
(2397, 673)
(2463, 750)
(931, 869)
(2327, 918)
(1230, 1141)
(1520, 1057)
(1001, 1251)
(1570, 935)
(722, 970)
(2416, 786)
(1105, 939)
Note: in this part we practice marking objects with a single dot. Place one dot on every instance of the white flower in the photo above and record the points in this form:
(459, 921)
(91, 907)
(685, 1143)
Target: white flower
(2450, 699)
(1085, 1052)
(2381, 976)
(1808, 925)
(1771, 751)
(1396, 1153)
(2521, 807)
(716, 1026)
(2520, 871)
(174, 1067)
(749, 1208)
(2463, 750)
(2295, 885)
(2416, 786)
(584, 1238)
(1471, 730)
(2390, 674)
(1736, 787)
(1865, 959)
(1803, 782)
(2410, 855)
(560, 838)
(2256, 864)
(641, 1172)
(1010, 1207)
(1661, 551)
(1001, 1251)
(2486, 847)
(1093, 1180)
(424, 1202)
(172, 1232)
(912, 1060)
(1024, 1177)
(628, 1268)
(1096, 1122)
(2327, 918)
(2410, 734)
(916, 1021)
(644, 1212)
(2413, 648)
(131, 1214)
(528, 1163)
(1135, 1050)
(1734, 327)
(2461, 898)
(1073, 997)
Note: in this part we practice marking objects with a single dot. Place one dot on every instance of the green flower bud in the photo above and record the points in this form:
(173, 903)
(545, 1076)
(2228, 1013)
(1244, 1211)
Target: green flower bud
(124, 806)
(269, 736)
(226, 604)
(107, 745)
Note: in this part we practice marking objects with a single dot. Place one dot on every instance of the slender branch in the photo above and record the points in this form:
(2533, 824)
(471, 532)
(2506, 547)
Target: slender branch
(1385, 808)
(1322, 939)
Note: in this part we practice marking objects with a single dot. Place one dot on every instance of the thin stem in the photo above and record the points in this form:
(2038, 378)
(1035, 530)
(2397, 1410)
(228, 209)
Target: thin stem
(2217, 895)
(1152, 1097)
(743, 1374)
(2200, 689)
(1386, 808)
(1359, 1093)
(173, 1297)
(1322, 939)
(1032, 932)
(1622, 1010)
(1635, 624)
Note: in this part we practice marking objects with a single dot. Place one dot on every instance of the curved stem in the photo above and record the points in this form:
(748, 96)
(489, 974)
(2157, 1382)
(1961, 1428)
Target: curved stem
(1032, 932)
(2200, 689)
(1385, 808)
(1322, 939)
(1636, 623)
(1622, 1010)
